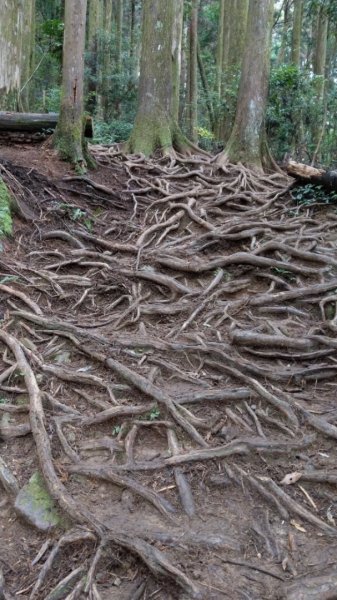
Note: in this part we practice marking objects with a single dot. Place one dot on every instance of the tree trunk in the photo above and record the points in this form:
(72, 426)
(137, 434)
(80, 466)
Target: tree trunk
(320, 51)
(106, 55)
(296, 33)
(15, 50)
(28, 52)
(119, 34)
(220, 50)
(319, 64)
(207, 91)
(247, 142)
(193, 73)
(235, 27)
(95, 22)
(69, 134)
(155, 126)
(132, 47)
(281, 57)
(176, 54)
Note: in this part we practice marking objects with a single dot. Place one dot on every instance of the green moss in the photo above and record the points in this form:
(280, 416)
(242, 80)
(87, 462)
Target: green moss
(156, 133)
(5, 210)
(37, 506)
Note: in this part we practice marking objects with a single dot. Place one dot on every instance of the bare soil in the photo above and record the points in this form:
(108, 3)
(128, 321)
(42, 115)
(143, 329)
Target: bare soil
(179, 321)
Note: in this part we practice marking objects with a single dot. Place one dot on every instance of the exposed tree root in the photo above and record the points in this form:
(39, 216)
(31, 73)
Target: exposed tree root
(189, 283)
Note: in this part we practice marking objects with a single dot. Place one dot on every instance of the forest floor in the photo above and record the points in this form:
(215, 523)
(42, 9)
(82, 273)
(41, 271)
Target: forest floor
(169, 356)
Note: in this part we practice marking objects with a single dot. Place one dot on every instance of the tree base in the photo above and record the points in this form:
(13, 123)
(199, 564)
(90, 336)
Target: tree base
(71, 145)
(151, 135)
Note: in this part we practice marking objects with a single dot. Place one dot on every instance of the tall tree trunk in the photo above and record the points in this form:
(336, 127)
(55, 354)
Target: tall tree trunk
(320, 50)
(207, 90)
(247, 143)
(28, 48)
(184, 74)
(235, 27)
(119, 34)
(93, 27)
(220, 49)
(132, 47)
(155, 126)
(297, 33)
(69, 133)
(106, 55)
(176, 54)
(15, 50)
(319, 66)
(281, 57)
(193, 73)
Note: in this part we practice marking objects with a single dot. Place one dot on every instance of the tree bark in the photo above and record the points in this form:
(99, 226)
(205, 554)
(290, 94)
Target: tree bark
(234, 32)
(297, 33)
(69, 135)
(119, 34)
(220, 50)
(307, 174)
(207, 90)
(176, 54)
(28, 54)
(94, 79)
(155, 127)
(281, 57)
(320, 51)
(15, 50)
(247, 143)
(193, 73)
(319, 65)
(106, 56)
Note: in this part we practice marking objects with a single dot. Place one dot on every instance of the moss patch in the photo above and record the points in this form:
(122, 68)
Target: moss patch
(5, 210)
(35, 504)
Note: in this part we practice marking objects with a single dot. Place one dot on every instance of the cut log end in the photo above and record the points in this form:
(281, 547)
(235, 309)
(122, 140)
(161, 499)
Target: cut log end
(307, 174)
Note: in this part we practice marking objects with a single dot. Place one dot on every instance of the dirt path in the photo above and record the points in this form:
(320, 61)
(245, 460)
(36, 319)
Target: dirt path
(171, 331)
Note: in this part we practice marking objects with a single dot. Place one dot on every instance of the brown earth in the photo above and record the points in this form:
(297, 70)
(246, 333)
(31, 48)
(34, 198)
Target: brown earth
(198, 307)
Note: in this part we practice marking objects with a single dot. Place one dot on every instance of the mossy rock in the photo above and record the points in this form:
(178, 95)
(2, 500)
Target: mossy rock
(36, 506)
(5, 210)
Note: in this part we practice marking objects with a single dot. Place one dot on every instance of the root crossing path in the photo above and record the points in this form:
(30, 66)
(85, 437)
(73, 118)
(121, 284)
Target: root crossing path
(169, 364)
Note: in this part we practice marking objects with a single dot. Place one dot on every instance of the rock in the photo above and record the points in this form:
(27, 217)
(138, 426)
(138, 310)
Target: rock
(34, 504)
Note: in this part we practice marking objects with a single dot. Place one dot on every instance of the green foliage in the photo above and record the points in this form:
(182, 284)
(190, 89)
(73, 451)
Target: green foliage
(153, 415)
(292, 111)
(308, 195)
(205, 138)
(113, 132)
(116, 430)
(50, 101)
(50, 34)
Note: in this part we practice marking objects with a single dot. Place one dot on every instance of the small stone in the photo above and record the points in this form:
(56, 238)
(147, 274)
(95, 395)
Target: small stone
(117, 582)
(34, 504)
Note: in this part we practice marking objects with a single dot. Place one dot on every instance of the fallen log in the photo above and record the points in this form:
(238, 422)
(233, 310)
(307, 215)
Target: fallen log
(307, 174)
(36, 122)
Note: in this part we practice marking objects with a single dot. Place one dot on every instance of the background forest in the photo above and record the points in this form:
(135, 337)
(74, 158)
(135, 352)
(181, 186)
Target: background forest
(302, 90)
